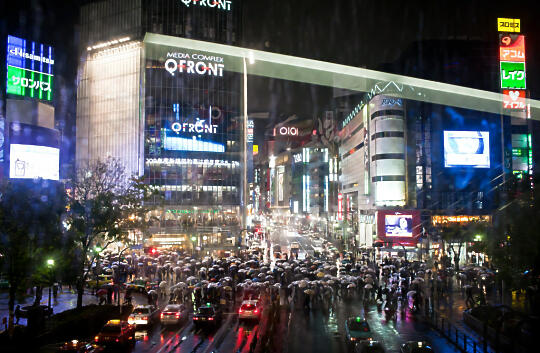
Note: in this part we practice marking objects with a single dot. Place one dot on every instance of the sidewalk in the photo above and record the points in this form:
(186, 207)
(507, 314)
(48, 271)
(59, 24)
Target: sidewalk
(64, 301)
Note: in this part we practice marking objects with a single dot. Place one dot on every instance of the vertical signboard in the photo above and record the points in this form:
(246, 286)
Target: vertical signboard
(340, 207)
(29, 69)
(512, 63)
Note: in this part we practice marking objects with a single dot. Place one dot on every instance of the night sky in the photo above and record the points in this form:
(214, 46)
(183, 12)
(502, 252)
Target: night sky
(371, 34)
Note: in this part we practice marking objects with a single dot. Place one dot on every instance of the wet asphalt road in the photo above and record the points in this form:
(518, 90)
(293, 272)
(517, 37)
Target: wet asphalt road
(316, 331)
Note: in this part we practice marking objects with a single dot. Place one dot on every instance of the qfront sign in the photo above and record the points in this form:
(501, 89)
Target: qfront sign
(198, 64)
(198, 127)
(224, 5)
(29, 69)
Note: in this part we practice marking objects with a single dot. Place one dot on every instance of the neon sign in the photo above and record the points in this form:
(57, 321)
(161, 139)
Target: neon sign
(199, 127)
(224, 5)
(512, 75)
(287, 131)
(512, 48)
(509, 25)
(514, 99)
(199, 64)
(29, 69)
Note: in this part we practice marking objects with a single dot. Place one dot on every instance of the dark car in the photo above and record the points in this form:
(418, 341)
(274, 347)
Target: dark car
(207, 314)
(357, 329)
(76, 346)
(369, 347)
(116, 332)
(416, 347)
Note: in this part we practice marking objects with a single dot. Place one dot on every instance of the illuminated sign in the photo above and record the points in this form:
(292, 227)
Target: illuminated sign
(512, 75)
(297, 157)
(30, 161)
(190, 211)
(509, 25)
(255, 150)
(29, 69)
(512, 48)
(224, 5)
(340, 207)
(514, 99)
(250, 129)
(286, 131)
(171, 143)
(199, 127)
(466, 149)
(459, 219)
(199, 64)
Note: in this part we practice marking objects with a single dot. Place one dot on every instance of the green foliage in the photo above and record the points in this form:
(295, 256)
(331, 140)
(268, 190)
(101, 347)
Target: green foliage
(514, 240)
(30, 231)
(104, 206)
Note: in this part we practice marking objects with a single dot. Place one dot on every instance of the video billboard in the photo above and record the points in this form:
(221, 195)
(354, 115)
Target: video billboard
(31, 161)
(399, 227)
(33, 152)
(466, 149)
(29, 69)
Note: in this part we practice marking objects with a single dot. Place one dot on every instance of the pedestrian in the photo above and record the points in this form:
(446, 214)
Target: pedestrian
(55, 291)
(17, 314)
(4, 321)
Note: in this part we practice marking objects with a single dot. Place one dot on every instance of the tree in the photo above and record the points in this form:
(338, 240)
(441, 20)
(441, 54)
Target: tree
(104, 205)
(456, 235)
(514, 241)
(30, 230)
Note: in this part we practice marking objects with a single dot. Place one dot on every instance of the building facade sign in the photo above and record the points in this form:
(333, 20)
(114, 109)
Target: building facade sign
(198, 64)
(223, 5)
(512, 48)
(513, 75)
(514, 99)
(439, 220)
(29, 69)
(509, 25)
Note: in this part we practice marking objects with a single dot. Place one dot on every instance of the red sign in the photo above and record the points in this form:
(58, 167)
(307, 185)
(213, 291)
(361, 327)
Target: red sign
(340, 207)
(399, 227)
(514, 99)
(512, 47)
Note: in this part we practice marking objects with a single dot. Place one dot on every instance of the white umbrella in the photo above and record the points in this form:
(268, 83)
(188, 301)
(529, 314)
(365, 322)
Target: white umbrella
(368, 286)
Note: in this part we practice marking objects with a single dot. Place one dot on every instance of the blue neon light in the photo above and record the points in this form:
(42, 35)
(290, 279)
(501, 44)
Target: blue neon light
(172, 143)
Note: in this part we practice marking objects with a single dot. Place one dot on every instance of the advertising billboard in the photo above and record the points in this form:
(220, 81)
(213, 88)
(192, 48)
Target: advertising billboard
(400, 227)
(509, 25)
(193, 136)
(466, 149)
(29, 69)
(514, 99)
(512, 47)
(513, 75)
(31, 161)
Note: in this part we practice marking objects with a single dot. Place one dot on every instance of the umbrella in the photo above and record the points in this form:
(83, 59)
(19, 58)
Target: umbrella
(352, 285)
(411, 293)
(302, 284)
(101, 292)
(309, 291)
(368, 286)
(227, 288)
(320, 274)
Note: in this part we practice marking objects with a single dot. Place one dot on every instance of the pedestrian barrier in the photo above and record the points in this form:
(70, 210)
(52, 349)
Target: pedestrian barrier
(463, 341)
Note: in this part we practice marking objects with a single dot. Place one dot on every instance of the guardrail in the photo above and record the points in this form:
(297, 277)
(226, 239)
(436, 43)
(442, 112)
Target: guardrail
(463, 341)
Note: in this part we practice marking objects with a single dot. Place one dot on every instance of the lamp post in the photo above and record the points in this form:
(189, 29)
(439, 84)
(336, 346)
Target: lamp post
(50, 265)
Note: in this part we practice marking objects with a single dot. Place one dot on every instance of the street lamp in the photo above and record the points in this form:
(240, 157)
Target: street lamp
(50, 265)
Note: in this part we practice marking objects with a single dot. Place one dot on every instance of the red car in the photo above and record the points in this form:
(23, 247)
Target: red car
(116, 332)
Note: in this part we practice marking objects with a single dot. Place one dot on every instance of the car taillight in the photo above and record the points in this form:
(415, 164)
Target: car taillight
(195, 318)
(177, 315)
(144, 318)
(117, 340)
(161, 316)
(96, 338)
(239, 311)
(256, 311)
(211, 318)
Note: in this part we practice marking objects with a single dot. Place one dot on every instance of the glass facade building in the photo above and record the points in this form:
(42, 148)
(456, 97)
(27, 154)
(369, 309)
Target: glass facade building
(183, 128)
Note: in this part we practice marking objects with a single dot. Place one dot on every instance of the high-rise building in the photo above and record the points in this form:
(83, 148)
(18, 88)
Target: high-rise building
(173, 116)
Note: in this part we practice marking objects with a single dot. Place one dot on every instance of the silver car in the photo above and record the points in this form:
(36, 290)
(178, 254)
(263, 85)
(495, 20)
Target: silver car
(173, 314)
(144, 315)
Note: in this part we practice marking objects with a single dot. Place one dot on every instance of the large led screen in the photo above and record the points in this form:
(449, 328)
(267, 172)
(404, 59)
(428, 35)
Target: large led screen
(398, 225)
(31, 161)
(29, 69)
(466, 149)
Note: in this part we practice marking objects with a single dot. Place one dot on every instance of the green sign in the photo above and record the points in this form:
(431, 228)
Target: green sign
(512, 75)
(28, 83)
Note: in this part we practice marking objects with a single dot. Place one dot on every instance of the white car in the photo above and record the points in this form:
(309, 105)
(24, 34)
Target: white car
(143, 315)
(173, 314)
(249, 310)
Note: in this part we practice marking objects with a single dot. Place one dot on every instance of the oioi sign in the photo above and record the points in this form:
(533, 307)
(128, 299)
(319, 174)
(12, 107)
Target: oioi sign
(29, 69)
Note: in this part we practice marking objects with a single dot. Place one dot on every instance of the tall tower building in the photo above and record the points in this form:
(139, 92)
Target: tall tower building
(162, 115)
